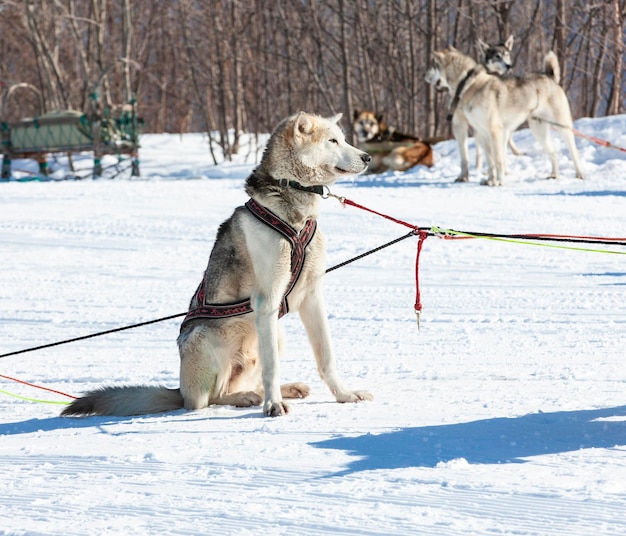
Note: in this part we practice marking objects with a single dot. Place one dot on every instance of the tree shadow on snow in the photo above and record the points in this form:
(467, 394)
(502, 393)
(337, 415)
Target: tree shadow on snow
(489, 441)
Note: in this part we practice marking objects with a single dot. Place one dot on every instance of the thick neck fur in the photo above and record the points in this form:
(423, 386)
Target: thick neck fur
(458, 69)
(293, 206)
(311, 151)
(280, 163)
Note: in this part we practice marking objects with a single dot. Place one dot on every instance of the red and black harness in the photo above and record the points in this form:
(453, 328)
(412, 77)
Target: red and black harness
(298, 241)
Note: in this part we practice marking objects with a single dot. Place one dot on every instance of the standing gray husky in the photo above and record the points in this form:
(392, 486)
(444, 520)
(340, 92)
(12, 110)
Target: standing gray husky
(495, 106)
(497, 61)
(267, 260)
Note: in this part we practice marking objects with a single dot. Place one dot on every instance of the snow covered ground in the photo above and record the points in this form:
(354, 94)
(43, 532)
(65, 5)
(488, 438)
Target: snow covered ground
(505, 414)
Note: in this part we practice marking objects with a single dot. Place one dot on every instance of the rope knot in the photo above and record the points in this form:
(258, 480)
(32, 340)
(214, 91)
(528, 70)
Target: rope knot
(422, 235)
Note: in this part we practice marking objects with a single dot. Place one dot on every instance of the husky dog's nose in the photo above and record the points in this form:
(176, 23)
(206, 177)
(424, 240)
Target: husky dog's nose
(366, 158)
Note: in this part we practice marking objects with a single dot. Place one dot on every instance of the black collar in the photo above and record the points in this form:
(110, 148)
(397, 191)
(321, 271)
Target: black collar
(285, 183)
(266, 180)
(459, 90)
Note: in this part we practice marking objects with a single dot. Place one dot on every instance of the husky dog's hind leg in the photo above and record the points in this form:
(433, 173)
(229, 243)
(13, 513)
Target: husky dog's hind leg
(218, 373)
(541, 131)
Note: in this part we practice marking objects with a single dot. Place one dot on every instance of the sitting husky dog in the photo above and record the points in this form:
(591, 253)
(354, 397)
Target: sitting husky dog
(267, 260)
(389, 148)
(497, 60)
(534, 98)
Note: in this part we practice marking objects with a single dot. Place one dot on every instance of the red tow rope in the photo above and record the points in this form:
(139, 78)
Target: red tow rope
(37, 386)
(422, 235)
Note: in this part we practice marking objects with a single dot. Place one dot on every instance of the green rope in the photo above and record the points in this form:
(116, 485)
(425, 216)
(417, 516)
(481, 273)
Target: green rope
(32, 399)
(439, 231)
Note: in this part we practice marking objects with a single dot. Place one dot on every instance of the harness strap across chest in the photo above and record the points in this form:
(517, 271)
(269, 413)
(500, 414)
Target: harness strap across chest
(457, 93)
(297, 241)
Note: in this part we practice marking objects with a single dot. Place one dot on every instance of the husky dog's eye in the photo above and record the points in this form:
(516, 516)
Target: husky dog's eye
(333, 140)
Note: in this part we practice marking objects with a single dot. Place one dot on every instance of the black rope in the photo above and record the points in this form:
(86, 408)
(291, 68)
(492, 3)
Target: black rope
(587, 240)
(92, 335)
(538, 238)
(408, 235)
(148, 322)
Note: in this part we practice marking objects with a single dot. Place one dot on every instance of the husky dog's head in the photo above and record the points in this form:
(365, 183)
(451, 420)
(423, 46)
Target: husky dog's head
(433, 77)
(367, 125)
(451, 66)
(311, 150)
(496, 58)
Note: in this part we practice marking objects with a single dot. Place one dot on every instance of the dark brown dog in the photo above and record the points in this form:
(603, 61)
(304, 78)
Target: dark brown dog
(389, 148)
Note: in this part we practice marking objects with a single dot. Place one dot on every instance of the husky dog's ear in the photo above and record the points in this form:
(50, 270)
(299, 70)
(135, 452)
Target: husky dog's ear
(355, 114)
(302, 125)
(509, 42)
(438, 57)
(482, 47)
(336, 118)
(379, 118)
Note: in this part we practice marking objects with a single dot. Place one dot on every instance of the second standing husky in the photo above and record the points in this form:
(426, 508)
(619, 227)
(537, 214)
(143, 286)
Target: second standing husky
(496, 60)
(494, 107)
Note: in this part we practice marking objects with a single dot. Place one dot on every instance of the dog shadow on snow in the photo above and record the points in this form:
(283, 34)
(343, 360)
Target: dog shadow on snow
(104, 424)
(488, 441)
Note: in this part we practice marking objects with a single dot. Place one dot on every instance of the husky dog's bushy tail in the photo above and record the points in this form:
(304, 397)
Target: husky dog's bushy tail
(551, 67)
(126, 401)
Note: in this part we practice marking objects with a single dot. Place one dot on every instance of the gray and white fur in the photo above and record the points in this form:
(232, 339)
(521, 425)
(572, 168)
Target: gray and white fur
(235, 360)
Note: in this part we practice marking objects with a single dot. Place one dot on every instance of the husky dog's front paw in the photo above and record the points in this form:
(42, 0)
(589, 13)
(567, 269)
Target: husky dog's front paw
(247, 399)
(295, 390)
(275, 409)
(353, 396)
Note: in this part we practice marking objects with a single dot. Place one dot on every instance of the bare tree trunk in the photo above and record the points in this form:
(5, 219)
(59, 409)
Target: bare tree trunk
(70, 15)
(34, 13)
(476, 16)
(265, 55)
(457, 21)
(559, 37)
(503, 12)
(585, 57)
(576, 54)
(345, 70)
(200, 95)
(365, 67)
(431, 45)
(100, 15)
(596, 95)
(523, 38)
(617, 21)
(127, 28)
(295, 44)
(235, 47)
(222, 81)
(412, 126)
